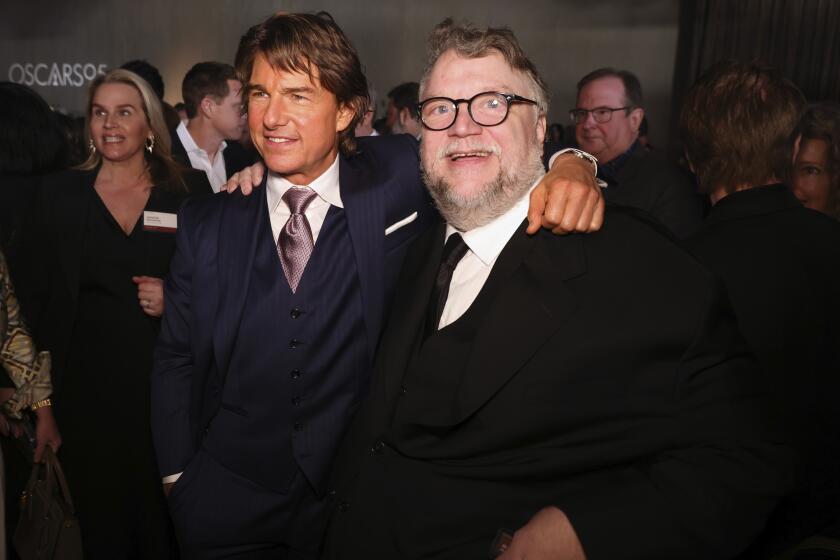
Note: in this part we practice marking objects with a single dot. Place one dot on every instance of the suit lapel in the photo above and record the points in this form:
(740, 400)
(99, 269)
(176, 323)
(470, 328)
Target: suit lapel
(240, 225)
(179, 153)
(365, 214)
(408, 314)
(229, 160)
(531, 304)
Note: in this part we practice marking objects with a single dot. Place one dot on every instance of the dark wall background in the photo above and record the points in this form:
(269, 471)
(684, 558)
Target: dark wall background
(565, 38)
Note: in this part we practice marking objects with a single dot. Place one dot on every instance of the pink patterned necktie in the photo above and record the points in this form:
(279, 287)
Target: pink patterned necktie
(294, 244)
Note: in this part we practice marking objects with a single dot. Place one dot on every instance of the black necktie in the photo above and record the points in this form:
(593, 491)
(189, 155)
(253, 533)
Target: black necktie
(453, 252)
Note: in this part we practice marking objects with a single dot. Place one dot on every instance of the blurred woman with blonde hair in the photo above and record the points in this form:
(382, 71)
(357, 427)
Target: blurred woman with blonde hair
(103, 236)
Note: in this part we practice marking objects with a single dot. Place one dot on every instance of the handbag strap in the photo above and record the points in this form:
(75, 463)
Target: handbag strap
(54, 470)
(33, 476)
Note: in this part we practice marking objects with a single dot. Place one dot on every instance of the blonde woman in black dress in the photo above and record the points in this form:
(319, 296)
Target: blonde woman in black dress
(105, 236)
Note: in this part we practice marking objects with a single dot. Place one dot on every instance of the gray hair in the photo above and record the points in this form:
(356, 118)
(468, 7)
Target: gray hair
(469, 41)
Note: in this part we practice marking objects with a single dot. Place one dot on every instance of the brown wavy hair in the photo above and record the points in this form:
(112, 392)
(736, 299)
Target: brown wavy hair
(296, 43)
(736, 125)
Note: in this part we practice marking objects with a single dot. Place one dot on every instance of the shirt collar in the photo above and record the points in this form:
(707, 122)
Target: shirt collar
(608, 171)
(754, 201)
(188, 142)
(326, 186)
(486, 242)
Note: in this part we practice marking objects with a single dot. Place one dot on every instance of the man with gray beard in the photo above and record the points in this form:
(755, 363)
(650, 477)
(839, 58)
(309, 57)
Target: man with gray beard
(526, 405)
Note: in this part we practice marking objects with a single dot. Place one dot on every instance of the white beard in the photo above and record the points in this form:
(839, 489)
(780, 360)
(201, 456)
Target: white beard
(494, 198)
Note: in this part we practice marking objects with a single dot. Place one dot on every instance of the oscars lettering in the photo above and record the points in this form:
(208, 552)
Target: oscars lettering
(55, 74)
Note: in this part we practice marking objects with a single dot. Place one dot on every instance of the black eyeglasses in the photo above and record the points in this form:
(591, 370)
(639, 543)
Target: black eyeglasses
(600, 114)
(487, 109)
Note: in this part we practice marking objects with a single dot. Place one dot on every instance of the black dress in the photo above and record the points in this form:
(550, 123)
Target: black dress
(103, 404)
(89, 316)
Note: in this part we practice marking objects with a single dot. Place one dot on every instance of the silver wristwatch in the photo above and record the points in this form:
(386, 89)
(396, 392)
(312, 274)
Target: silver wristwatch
(582, 155)
(588, 157)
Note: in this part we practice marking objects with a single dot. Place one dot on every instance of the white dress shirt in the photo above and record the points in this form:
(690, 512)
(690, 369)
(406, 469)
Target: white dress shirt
(485, 244)
(325, 186)
(199, 159)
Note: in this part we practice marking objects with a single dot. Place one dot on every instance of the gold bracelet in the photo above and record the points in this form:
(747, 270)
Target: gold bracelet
(41, 403)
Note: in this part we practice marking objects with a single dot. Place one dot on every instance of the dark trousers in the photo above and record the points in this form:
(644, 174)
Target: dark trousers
(220, 514)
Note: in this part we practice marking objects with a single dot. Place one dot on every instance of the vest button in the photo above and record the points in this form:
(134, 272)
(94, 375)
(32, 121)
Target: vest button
(294, 343)
(403, 390)
(298, 426)
(295, 313)
(377, 448)
(295, 401)
(343, 506)
(295, 373)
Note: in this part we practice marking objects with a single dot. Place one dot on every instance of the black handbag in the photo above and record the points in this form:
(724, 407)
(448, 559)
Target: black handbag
(47, 528)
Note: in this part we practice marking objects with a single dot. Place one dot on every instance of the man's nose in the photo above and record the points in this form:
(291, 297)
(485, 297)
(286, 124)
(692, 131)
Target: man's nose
(464, 125)
(276, 114)
(589, 121)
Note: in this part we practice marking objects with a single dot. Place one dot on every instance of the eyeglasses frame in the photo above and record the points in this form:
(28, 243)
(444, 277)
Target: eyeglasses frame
(509, 97)
(628, 109)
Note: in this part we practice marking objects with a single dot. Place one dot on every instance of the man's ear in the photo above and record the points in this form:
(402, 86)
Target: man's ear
(405, 116)
(540, 129)
(344, 118)
(797, 145)
(688, 160)
(207, 106)
(636, 116)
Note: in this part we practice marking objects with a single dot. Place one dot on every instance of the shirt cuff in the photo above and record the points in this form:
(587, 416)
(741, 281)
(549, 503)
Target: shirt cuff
(172, 478)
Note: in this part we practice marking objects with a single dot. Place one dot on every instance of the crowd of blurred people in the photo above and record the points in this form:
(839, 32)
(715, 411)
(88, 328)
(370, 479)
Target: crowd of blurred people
(88, 206)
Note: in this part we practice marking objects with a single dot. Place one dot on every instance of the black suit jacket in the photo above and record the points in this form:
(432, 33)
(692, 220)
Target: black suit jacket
(236, 157)
(780, 263)
(652, 182)
(632, 406)
(53, 246)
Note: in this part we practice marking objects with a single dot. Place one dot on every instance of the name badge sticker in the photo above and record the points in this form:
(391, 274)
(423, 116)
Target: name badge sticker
(160, 221)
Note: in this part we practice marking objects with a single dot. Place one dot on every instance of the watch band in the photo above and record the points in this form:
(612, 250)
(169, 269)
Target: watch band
(582, 155)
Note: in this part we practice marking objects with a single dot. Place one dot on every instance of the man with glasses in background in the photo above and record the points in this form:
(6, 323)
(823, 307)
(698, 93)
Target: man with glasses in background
(607, 116)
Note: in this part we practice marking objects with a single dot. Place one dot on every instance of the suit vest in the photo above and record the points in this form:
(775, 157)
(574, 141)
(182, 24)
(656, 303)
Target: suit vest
(298, 367)
(413, 443)
(433, 376)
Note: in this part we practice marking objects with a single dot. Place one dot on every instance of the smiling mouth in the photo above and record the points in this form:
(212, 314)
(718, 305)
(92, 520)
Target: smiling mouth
(275, 140)
(465, 155)
(112, 139)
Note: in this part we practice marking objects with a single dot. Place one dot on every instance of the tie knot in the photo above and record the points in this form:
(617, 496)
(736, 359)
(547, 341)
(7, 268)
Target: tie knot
(298, 198)
(454, 250)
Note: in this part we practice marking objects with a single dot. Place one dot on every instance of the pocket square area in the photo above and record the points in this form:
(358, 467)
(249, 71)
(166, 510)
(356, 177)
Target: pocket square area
(397, 225)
